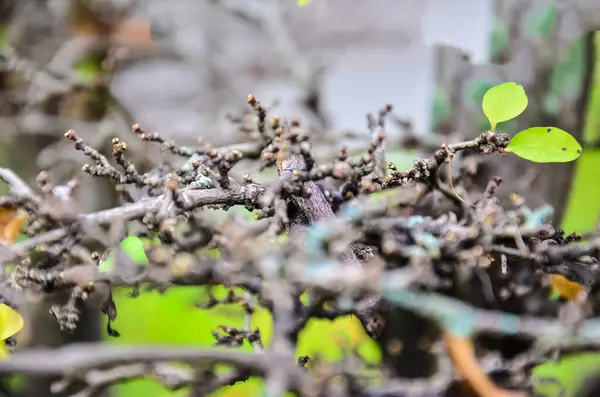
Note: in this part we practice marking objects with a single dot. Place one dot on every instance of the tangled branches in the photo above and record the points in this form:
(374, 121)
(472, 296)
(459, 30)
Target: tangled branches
(465, 265)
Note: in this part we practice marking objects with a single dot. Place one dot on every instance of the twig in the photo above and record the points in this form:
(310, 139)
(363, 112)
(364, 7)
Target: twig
(194, 198)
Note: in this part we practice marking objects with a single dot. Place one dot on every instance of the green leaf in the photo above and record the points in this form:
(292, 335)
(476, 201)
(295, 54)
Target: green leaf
(87, 69)
(545, 145)
(108, 264)
(302, 3)
(133, 247)
(3, 39)
(504, 102)
(554, 296)
(11, 322)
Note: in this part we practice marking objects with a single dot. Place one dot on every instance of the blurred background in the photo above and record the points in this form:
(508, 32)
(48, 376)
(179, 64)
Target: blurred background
(185, 67)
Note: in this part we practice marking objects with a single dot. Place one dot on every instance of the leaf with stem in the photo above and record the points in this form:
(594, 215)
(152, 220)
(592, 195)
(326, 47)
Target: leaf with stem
(504, 102)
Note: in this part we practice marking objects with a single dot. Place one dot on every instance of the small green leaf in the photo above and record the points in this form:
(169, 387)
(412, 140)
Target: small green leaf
(133, 247)
(108, 263)
(302, 3)
(545, 145)
(11, 322)
(87, 69)
(504, 102)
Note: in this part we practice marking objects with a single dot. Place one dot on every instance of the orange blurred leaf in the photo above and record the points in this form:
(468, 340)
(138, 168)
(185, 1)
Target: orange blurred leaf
(133, 33)
(569, 290)
(11, 221)
(126, 33)
(83, 22)
(462, 354)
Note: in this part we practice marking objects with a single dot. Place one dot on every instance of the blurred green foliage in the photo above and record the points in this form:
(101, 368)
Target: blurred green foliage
(582, 214)
(172, 318)
(3, 39)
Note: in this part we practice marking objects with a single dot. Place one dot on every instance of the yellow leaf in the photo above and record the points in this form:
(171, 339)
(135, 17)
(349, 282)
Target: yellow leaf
(302, 3)
(11, 322)
(4, 353)
(569, 290)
